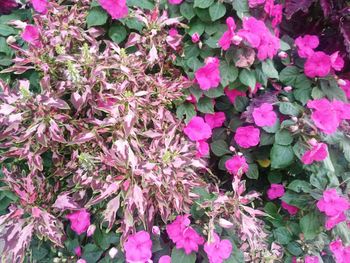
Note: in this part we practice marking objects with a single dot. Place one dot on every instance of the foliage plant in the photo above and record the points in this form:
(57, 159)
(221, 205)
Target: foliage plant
(174, 131)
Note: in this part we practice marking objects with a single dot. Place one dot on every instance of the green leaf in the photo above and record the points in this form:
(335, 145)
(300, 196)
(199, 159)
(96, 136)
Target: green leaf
(299, 186)
(91, 253)
(219, 148)
(187, 11)
(103, 239)
(203, 3)
(222, 162)
(253, 172)
(133, 23)
(96, 17)
(331, 90)
(179, 256)
(281, 156)
(242, 8)
(294, 248)
(205, 105)
(186, 110)
(214, 93)
(282, 235)
(241, 103)
(248, 78)
(288, 108)
(228, 73)
(196, 26)
(144, 4)
(302, 94)
(283, 137)
(117, 33)
(217, 10)
(310, 225)
(6, 30)
(269, 69)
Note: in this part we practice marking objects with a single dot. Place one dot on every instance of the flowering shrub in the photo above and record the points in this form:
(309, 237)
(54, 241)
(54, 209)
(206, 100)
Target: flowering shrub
(173, 131)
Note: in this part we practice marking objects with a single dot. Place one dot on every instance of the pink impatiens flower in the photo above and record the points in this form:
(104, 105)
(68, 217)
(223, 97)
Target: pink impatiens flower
(183, 235)
(31, 35)
(215, 120)
(332, 221)
(293, 210)
(317, 153)
(255, 3)
(227, 38)
(116, 8)
(332, 204)
(164, 259)
(202, 148)
(80, 221)
(318, 64)
(175, 2)
(40, 6)
(341, 253)
(306, 45)
(247, 136)
(232, 94)
(208, 76)
(264, 115)
(197, 129)
(138, 247)
(311, 259)
(337, 61)
(195, 38)
(218, 250)
(345, 86)
(237, 165)
(275, 191)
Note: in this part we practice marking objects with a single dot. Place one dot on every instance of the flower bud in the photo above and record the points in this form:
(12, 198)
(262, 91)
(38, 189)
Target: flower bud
(195, 38)
(341, 82)
(295, 119)
(90, 231)
(113, 252)
(288, 89)
(224, 223)
(156, 230)
(239, 153)
(77, 251)
(10, 40)
(312, 142)
(56, 260)
(60, 254)
(282, 55)
(285, 99)
(232, 149)
(293, 128)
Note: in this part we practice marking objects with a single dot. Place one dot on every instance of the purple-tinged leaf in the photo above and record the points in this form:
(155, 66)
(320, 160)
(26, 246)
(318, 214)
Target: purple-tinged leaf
(293, 6)
(111, 189)
(56, 103)
(55, 132)
(326, 7)
(64, 202)
(345, 30)
(83, 137)
(6, 109)
(40, 135)
(129, 121)
(111, 211)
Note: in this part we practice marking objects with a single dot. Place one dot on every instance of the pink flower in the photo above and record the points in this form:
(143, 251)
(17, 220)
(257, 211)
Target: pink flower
(337, 61)
(208, 76)
(40, 6)
(197, 129)
(202, 148)
(311, 259)
(116, 8)
(175, 2)
(237, 165)
(335, 220)
(255, 3)
(77, 251)
(341, 253)
(174, 38)
(183, 235)
(346, 88)
(195, 38)
(81, 261)
(264, 115)
(227, 38)
(317, 153)
(293, 210)
(324, 115)
(247, 136)
(80, 221)
(138, 247)
(6, 6)
(306, 45)
(275, 191)
(218, 250)
(164, 259)
(31, 35)
(233, 94)
(277, 12)
(318, 64)
(215, 120)
(332, 204)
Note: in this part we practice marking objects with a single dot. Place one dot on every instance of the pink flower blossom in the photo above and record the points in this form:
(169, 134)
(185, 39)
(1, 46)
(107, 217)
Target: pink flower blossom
(275, 191)
(80, 221)
(7, 6)
(346, 88)
(195, 38)
(81, 260)
(31, 35)
(318, 64)
(164, 259)
(40, 6)
(306, 45)
(202, 148)
(337, 61)
(116, 8)
(227, 38)
(332, 204)
(255, 3)
(293, 210)
(208, 76)
(197, 129)
(341, 253)
(277, 13)
(237, 165)
(77, 251)
(138, 247)
(264, 115)
(218, 250)
(332, 221)
(317, 153)
(232, 94)
(311, 259)
(247, 136)
(215, 120)
(175, 2)
(183, 235)
(174, 39)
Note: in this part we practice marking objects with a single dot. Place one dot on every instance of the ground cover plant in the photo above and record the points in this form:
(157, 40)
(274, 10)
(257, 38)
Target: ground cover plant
(174, 131)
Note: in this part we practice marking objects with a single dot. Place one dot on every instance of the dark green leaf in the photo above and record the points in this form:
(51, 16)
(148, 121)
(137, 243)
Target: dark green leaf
(217, 10)
(228, 73)
(186, 110)
(248, 78)
(117, 33)
(219, 148)
(203, 3)
(283, 137)
(282, 235)
(269, 69)
(6, 30)
(281, 156)
(205, 105)
(186, 10)
(96, 17)
(288, 108)
(179, 256)
(253, 172)
(310, 225)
